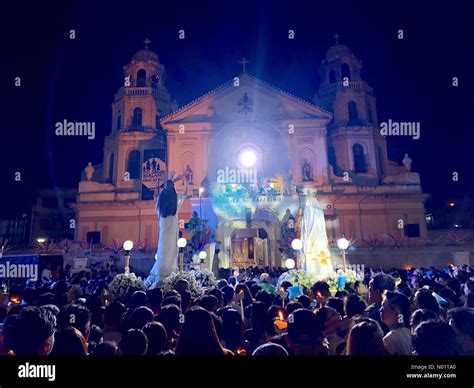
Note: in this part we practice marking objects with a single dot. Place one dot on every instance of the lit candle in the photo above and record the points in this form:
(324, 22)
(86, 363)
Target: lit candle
(280, 323)
(282, 293)
(241, 297)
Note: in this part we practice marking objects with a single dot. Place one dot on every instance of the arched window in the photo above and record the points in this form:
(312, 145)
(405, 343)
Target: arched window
(137, 118)
(370, 116)
(110, 175)
(380, 160)
(345, 71)
(141, 78)
(332, 159)
(332, 76)
(119, 122)
(353, 113)
(359, 158)
(154, 81)
(133, 165)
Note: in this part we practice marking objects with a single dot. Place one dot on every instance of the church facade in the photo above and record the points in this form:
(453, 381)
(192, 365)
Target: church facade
(250, 153)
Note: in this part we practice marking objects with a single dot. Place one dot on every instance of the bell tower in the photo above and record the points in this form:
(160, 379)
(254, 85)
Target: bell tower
(138, 106)
(355, 145)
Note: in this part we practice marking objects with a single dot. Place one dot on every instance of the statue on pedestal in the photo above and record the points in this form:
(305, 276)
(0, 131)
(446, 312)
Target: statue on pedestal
(89, 170)
(407, 161)
(307, 171)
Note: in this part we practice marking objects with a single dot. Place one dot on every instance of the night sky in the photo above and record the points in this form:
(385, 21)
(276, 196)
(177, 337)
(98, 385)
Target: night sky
(77, 79)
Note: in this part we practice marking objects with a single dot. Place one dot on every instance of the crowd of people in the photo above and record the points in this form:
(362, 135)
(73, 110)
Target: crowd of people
(398, 312)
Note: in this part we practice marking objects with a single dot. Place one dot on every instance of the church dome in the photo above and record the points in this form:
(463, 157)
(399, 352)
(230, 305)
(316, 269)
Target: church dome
(338, 51)
(145, 55)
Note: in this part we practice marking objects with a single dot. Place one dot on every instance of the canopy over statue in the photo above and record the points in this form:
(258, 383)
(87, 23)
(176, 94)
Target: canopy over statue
(315, 255)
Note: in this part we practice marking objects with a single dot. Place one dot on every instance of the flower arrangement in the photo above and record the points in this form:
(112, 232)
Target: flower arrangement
(122, 283)
(297, 277)
(338, 280)
(194, 286)
(205, 278)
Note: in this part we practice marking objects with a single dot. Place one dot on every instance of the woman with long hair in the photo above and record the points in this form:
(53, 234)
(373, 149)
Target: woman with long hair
(198, 335)
(366, 339)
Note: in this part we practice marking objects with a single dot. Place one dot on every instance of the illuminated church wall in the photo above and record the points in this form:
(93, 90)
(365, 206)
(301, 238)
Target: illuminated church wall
(286, 133)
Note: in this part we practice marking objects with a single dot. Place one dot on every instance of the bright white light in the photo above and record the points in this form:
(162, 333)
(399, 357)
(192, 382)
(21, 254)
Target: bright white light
(182, 242)
(202, 255)
(297, 244)
(201, 190)
(343, 243)
(41, 240)
(128, 245)
(290, 263)
(248, 158)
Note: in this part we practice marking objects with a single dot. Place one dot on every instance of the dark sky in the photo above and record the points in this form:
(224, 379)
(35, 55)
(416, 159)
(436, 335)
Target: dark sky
(77, 79)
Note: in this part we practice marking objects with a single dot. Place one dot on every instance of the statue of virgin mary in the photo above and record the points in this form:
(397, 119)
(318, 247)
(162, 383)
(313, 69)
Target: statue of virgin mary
(167, 207)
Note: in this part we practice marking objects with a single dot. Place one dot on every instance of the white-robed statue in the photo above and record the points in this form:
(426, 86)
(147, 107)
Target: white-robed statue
(315, 260)
(167, 207)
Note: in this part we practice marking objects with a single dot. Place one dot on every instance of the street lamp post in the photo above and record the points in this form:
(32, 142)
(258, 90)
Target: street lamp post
(297, 245)
(127, 247)
(202, 258)
(201, 191)
(343, 244)
(181, 244)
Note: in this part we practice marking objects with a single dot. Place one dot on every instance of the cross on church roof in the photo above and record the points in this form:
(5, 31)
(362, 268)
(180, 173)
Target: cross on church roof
(146, 41)
(244, 62)
(336, 36)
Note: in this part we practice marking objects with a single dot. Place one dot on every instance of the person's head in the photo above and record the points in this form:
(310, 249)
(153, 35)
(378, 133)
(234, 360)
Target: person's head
(186, 298)
(435, 338)
(293, 306)
(337, 304)
(366, 339)
(228, 292)
(134, 342)
(169, 317)
(113, 316)
(304, 328)
(421, 315)
(96, 334)
(321, 291)
(259, 315)
(424, 299)
(243, 289)
(450, 296)
(181, 285)
(176, 300)
(468, 287)
(221, 284)
(69, 342)
(138, 299)
(360, 288)
(218, 294)
(157, 339)
(329, 318)
(198, 334)
(265, 297)
(305, 300)
(105, 349)
(395, 310)
(378, 285)
(31, 332)
(155, 298)
(354, 305)
(140, 317)
(461, 319)
(232, 328)
(270, 349)
(77, 316)
(209, 302)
